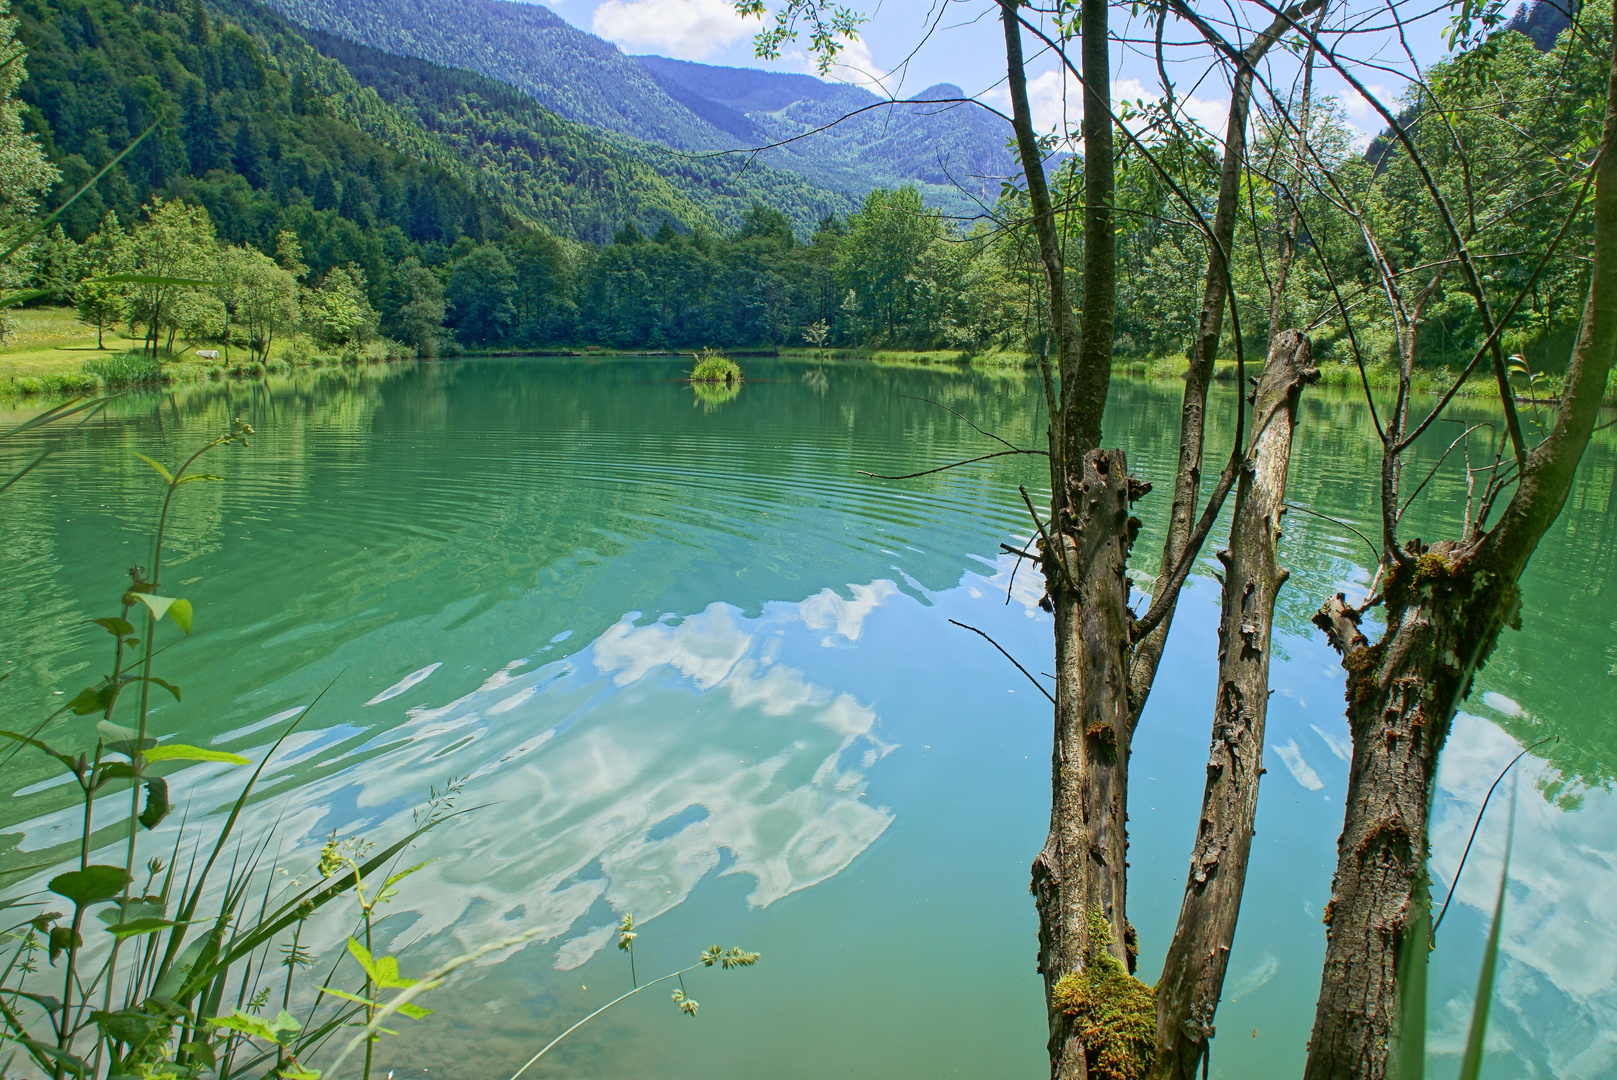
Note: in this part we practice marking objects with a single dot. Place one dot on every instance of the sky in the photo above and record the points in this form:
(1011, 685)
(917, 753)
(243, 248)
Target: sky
(907, 46)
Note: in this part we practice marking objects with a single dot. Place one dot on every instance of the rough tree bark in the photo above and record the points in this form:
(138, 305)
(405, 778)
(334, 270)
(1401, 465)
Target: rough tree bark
(1193, 972)
(1082, 867)
(1445, 607)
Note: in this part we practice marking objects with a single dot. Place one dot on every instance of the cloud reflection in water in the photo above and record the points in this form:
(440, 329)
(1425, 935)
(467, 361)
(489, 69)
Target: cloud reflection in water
(664, 745)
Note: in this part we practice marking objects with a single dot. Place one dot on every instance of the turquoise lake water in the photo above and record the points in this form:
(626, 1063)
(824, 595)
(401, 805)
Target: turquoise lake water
(694, 666)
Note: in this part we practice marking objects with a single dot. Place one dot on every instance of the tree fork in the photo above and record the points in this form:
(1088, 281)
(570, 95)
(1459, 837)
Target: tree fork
(1193, 972)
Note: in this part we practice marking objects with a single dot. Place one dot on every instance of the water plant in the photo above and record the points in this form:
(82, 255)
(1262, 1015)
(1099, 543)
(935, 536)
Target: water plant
(712, 366)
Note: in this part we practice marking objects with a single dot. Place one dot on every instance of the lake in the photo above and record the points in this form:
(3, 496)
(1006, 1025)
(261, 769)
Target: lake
(692, 665)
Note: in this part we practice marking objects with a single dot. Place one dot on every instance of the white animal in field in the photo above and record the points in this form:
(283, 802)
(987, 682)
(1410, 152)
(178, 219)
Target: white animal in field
(208, 354)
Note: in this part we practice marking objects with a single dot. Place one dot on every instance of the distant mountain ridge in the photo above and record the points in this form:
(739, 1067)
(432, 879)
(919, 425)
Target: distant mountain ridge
(696, 108)
(943, 148)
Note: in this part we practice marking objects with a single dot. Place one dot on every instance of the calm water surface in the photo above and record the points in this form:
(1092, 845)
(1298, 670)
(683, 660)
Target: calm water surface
(693, 665)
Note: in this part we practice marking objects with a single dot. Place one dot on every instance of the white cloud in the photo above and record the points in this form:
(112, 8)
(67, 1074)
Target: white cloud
(1056, 101)
(687, 29)
(1299, 768)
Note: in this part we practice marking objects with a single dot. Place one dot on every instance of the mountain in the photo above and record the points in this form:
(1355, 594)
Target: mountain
(367, 156)
(696, 108)
(528, 46)
(534, 158)
(942, 148)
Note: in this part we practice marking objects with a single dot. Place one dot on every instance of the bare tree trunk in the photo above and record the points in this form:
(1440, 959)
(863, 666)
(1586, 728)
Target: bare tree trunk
(1445, 608)
(1063, 323)
(1288, 245)
(1193, 972)
(1085, 401)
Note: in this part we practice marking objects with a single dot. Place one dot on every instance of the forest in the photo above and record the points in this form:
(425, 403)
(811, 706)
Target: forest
(529, 229)
(616, 546)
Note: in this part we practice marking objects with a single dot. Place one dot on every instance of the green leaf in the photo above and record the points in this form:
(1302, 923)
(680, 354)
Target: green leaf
(22, 297)
(91, 885)
(346, 996)
(125, 1026)
(194, 477)
(92, 699)
(72, 765)
(112, 770)
(173, 979)
(131, 910)
(414, 1011)
(63, 938)
(281, 1030)
(158, 604)
(138, 926)
(156, 803)
(182, 752)
(201, 1052)
(180, 612)
(363, 955)
(186, 626)
(115, 626)
(298, 1072)
(402, 874)
(74, 1063)
(115, 732)
(167, 479)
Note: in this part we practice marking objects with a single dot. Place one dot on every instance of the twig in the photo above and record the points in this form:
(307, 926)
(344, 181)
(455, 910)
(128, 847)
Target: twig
(1455, 884)
(1017, 565)
(974, 427)
(952, 465)
(1338, 521)
(1050, 549)
(1007, 656)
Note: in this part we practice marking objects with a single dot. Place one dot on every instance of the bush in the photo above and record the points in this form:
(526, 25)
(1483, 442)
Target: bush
(300, 350)
(132, 368)
(712, 366)
(64, 385)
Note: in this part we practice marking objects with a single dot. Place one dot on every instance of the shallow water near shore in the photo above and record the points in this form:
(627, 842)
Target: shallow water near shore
(694, 665)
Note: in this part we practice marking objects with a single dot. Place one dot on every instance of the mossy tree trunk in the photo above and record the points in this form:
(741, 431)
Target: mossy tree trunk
(1445, 607)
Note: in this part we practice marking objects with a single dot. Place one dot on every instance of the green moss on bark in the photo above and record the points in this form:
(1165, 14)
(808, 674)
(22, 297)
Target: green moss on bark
(1115, 1014)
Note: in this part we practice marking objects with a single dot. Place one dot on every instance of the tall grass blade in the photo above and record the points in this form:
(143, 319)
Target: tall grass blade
(1471, 1064)
(1409, 1056)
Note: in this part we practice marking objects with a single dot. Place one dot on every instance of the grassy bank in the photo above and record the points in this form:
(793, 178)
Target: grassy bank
(51, 352)
(1481, 384)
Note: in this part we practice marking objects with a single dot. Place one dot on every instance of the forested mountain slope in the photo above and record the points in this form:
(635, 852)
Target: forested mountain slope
(581, 181)
(690, 107)
(269, 134)
(573, 73)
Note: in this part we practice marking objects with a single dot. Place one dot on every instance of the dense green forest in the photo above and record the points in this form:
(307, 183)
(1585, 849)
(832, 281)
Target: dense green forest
(957, 155)
(432, 190)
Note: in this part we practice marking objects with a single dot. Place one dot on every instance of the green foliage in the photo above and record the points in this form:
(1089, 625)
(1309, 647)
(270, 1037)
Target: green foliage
(124, 369)
(170, 960)
(1115, 1014)
(712, 366)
